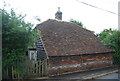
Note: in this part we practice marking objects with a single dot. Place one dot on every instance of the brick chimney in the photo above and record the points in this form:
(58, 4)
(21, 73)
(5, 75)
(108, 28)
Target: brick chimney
(58, 14)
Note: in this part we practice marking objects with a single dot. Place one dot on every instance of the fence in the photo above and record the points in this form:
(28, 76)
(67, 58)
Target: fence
(31, 69)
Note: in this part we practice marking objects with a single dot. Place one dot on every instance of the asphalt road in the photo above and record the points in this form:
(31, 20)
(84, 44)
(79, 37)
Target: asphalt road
(80, 76)
(110, 77)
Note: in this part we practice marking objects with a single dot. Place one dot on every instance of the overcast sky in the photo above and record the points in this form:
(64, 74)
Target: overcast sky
(93, 19)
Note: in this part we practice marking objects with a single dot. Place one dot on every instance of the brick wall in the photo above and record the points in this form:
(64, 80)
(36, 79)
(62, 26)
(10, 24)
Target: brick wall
(61, 64)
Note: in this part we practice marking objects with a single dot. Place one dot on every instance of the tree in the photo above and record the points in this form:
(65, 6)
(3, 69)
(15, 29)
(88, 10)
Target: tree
(76, 22)
(112, 40)
(17, 35)
(105, 33)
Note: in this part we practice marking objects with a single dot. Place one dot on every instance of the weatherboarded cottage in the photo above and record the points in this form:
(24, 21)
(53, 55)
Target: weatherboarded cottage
(64, 47)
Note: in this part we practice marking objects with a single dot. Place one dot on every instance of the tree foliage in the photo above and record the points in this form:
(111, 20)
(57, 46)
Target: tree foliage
(17, 35)
(113, 42)
(105, 33)
(111, 39)
(76, 22)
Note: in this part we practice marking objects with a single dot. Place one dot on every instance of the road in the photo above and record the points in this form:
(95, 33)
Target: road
(80, 76)
(110, 77)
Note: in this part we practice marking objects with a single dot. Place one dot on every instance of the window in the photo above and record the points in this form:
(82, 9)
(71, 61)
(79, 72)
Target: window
(32, 55)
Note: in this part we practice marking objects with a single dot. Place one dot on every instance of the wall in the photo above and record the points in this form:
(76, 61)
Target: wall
(64, 64)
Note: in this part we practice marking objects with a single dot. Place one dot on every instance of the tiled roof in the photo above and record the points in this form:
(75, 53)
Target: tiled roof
(64, 38)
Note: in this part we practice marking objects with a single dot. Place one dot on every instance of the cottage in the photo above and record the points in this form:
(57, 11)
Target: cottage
(69, 48)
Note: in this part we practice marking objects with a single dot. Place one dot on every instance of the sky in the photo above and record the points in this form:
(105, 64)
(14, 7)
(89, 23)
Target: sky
(92, 18)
